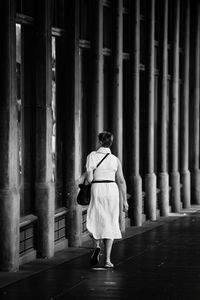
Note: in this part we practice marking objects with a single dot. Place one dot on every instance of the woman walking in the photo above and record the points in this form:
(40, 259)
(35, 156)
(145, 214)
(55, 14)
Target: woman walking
(107, 184)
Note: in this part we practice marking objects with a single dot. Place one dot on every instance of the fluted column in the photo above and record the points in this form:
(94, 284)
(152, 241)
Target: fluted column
(135, 180)
(72, 146)
(117, 88)
(185, 173)
(9, 171)
(174, 112)
(163, 177)
(150, 177)
(97, 86)
(195, 178)
(44, 188)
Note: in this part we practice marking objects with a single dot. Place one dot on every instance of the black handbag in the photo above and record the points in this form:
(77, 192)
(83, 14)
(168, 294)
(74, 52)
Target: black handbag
(83, 197)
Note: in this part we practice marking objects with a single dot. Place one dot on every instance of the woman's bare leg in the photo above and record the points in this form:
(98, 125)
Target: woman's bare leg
(108, 247)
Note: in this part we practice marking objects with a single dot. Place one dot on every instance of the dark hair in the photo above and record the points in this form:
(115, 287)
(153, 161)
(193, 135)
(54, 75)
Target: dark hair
(105, 138)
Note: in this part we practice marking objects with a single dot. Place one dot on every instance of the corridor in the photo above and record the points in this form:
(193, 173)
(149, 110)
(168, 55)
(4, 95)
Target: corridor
(157, 261)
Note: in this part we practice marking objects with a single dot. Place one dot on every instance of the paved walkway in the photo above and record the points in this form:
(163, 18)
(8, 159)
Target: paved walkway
(160, 260)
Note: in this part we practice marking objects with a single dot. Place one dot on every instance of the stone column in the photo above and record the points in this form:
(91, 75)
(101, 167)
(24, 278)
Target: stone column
(117, 78)
(97, 86)
(195, 176)
(72, 147)
(174, 112)
(150, 177)
(163, 177)
(44, 189)
(117, 113)
(185, 173)
(135, 180)
(9, 171)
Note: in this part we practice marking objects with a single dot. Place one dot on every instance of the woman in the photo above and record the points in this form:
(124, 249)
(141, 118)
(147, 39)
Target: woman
(107, 184)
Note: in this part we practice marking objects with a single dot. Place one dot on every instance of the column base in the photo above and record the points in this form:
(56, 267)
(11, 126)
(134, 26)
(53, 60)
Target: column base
(9, 230)
(175, 198)
(186, 189)
(195, 186)
(150, 190)
(163, 185)
(45, 211)
(135, 203)
(74, 216)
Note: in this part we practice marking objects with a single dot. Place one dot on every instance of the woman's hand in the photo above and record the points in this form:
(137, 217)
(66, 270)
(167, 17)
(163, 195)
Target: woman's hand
(125, 206)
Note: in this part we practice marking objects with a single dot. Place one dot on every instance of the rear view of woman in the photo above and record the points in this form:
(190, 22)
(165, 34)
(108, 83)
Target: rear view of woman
(107, 184)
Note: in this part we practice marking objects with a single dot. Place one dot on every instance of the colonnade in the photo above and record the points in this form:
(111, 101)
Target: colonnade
(169, 180)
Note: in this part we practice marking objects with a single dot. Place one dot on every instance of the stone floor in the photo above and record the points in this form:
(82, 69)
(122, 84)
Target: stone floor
(160, 260)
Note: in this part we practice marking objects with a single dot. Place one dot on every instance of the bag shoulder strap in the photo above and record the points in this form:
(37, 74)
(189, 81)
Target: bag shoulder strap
(102, 159)
(98, 165)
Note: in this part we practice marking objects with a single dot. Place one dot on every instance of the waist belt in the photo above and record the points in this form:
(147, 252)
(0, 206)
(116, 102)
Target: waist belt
(101, 181)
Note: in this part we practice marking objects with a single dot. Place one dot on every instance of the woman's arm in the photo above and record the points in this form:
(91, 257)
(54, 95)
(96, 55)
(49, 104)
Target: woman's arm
(122, 185)
(90, 165)
(89, 176)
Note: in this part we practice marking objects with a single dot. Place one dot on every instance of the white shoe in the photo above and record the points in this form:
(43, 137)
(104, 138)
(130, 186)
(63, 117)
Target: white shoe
(108, 264)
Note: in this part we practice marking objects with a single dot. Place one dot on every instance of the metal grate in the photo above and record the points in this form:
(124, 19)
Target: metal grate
(60, 228)
(26, 239)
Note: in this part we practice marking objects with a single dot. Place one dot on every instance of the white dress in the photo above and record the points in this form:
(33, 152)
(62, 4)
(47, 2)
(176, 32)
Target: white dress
(103, 210)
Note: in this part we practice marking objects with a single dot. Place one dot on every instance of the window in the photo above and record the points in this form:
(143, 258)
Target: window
(25, 97)
(53, 108)
(57, 116)
(60, 228)
(58, 13)
(19, 94)
(27, 241)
